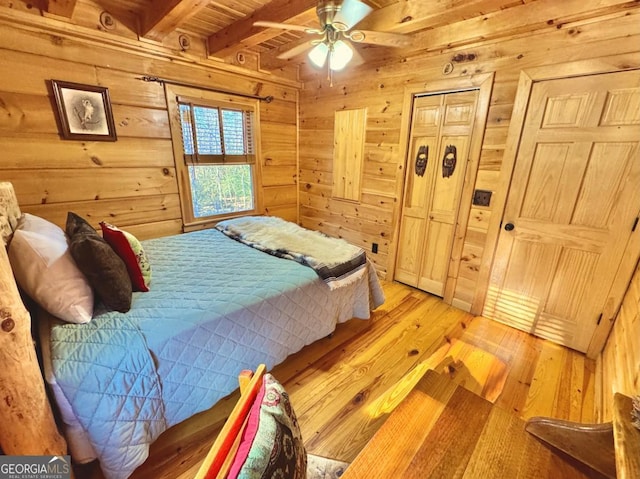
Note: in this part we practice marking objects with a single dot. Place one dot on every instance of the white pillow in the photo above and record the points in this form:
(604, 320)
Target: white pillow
(44, 269)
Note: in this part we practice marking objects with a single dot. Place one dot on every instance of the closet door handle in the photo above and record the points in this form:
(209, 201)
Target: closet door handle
(449, 161)
(421, 160)
(509, 227)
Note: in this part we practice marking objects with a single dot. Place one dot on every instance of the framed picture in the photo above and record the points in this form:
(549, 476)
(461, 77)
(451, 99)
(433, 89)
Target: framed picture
(84, 111)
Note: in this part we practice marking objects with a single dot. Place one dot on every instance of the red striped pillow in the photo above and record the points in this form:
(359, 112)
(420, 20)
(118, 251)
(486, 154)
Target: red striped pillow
(131, 252)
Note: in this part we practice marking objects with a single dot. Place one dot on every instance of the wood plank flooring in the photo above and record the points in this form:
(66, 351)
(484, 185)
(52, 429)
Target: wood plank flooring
(343, 387)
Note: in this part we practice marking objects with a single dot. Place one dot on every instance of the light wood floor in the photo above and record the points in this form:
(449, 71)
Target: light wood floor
(343, 387)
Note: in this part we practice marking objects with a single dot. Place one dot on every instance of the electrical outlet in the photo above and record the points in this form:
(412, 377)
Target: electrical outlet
(374, 247)
(481, 197)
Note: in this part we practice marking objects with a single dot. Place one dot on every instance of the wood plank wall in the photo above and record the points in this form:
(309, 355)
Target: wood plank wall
(132, 182)
(618, 366)
(591, 36)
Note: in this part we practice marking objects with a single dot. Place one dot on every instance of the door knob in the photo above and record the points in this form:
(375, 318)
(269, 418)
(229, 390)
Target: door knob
(509, 226)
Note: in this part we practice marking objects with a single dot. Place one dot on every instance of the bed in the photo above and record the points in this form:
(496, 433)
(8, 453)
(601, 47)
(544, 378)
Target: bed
(215, 307)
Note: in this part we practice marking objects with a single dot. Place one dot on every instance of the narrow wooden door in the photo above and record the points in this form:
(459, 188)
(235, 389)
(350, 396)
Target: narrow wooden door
(571, 208)
(441, 128)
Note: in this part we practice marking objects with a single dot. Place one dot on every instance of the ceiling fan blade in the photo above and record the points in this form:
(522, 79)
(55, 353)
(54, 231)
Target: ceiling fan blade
(351, 12)
(356, 59)
(297, 50)
(285, 26)
(380, 38)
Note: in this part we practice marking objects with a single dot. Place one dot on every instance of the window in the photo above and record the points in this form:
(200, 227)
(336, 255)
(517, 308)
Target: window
(219, 155)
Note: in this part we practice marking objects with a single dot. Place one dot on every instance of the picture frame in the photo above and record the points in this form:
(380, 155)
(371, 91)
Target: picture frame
(84, 111)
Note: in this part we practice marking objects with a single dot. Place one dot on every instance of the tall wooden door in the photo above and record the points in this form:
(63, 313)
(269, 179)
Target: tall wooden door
(441, 128)
(571, 208)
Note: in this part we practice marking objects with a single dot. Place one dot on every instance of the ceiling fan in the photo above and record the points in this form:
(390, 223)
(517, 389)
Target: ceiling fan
(335, 34)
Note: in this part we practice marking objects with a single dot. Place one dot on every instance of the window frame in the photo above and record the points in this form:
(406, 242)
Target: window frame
(178, 94)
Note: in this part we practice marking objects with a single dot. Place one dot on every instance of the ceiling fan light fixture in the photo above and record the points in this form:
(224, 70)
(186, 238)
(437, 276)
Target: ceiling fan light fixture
(339, 26)
(318, 54)
(332, 48)
(340, 55)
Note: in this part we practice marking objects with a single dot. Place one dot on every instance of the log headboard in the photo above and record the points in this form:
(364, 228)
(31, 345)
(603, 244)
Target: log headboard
(28, 426)
(9, 211)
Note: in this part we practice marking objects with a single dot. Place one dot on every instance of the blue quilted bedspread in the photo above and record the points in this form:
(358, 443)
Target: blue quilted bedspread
(215, 307)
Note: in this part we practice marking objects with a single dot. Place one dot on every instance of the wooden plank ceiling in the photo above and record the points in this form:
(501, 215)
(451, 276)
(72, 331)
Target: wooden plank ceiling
(227, 28)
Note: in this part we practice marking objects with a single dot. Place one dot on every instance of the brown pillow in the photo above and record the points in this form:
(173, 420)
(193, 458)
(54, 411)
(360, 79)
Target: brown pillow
(105, 271)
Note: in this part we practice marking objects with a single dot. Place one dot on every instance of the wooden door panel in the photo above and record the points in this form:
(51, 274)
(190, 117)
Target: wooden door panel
(622, 107)
(446, 191)
(570, 281)
(529, 262)
(459, 113)
(568, 110)
(433, 272)
(518, 297)
(544, 185)
(567, 236)
(624, 210)
(442, 214)
(554, 181)
(426, 114)
(409, 256)
(607, 167)
(459, 108)
(418, 187)
(555, 328)
(575, 193)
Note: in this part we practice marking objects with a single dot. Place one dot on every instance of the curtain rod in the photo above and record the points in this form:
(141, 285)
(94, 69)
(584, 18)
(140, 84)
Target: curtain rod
(266, 99)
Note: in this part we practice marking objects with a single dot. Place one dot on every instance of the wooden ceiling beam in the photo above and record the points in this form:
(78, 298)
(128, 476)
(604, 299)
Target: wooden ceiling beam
(63, 8)
(524, 18)
(406, 16)
(162, 17)
(242, 34)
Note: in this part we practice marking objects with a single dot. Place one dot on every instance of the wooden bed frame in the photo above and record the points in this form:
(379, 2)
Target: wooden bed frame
(28, 426)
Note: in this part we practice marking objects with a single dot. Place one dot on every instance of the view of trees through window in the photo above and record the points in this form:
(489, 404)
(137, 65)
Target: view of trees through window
(220, 189)
(218, 148)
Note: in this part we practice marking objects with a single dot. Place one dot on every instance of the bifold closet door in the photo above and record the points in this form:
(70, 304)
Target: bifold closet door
(441, 128)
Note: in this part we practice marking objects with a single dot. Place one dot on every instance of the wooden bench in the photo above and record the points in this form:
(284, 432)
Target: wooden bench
(612, 448)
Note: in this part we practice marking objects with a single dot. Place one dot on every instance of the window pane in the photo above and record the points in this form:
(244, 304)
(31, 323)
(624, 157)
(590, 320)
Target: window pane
(233, 130)
(220, 189)
(207, 130)
(187, 132)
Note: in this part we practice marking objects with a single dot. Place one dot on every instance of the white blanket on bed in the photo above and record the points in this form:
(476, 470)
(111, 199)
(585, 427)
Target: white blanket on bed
(333, 259)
